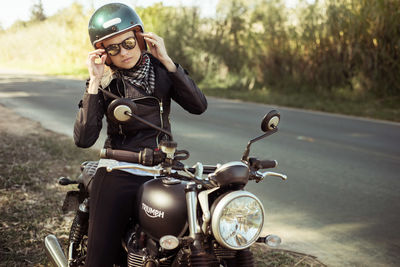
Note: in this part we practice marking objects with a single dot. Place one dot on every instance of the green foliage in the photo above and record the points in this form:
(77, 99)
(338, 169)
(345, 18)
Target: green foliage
(322, 48)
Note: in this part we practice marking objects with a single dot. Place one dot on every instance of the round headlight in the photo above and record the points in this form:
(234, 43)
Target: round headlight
(237, 220)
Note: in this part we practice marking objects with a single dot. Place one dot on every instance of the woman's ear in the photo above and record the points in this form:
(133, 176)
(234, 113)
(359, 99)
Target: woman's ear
(108, 61)
(140, 40)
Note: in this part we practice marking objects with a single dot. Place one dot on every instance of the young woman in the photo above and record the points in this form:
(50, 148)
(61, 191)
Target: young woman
(149, 78)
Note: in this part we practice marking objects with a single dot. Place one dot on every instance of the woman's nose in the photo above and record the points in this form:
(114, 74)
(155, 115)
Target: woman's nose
(123, 51)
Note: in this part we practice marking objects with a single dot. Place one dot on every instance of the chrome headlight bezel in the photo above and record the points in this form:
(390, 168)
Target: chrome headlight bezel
(218, 209)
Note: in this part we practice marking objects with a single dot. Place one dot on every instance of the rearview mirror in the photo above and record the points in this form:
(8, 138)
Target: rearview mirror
(120, 110)
(269, 125)
(270, 121)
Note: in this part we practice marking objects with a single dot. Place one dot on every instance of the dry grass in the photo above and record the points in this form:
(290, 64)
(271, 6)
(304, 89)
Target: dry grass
(31, 160)
(265, 256)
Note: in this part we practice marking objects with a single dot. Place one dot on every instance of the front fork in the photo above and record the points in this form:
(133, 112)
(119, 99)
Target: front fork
(191, 202)
(243, 258)
(197, 252)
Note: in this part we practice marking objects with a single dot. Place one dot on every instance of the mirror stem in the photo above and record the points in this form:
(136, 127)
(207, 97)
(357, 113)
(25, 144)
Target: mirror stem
(149, 124)
(247, 151)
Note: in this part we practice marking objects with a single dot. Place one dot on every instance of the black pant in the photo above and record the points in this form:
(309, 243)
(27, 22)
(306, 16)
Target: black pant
(112, 203)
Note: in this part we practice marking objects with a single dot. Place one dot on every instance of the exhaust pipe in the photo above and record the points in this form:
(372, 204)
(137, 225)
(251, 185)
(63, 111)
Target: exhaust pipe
(54, 251)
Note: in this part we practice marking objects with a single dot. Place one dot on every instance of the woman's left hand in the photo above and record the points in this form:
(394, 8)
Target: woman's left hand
(157, 49)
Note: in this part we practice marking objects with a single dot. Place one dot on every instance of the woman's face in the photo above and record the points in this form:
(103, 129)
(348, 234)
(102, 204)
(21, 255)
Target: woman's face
(126, 58)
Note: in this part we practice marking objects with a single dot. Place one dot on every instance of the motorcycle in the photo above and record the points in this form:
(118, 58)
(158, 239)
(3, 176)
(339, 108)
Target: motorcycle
(187, 216)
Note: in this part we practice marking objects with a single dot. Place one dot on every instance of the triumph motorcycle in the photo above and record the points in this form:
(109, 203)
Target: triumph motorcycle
(186, 216)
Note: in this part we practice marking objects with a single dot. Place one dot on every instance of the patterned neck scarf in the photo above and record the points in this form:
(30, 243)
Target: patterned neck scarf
(140, 76)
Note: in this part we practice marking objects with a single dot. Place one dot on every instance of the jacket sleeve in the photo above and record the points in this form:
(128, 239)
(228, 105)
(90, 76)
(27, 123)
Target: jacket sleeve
(186, 93)
(88, 121)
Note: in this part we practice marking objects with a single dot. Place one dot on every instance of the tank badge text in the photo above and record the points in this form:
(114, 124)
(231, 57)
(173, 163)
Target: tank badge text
(152, 213)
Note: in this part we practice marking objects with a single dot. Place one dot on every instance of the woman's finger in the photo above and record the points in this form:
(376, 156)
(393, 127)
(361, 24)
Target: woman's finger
(151, 36)
(94, 59)
(150, 42)
(103, 59)
(97, 52)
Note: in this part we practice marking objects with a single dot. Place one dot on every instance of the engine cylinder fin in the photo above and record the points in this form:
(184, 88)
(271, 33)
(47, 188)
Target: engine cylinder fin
(199, 261)
(223, 253)
(135, 260)
(245, 258)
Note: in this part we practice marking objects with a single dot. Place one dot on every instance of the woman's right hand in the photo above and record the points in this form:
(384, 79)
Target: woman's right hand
(95, 66)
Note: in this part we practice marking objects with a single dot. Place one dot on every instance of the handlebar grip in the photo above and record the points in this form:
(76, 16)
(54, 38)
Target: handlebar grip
(121, 155)
(266, 164)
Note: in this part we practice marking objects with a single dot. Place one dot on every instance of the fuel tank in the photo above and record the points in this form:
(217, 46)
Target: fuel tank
(162, 209)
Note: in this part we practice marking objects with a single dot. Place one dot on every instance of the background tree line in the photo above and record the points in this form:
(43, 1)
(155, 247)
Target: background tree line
(326, 46)
(252, 44)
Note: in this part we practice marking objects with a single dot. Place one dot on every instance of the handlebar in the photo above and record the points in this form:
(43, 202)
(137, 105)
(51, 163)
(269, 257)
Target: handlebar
(147, 157)
(262, 164)
(121, 155)
(150, 157)
(266, 164)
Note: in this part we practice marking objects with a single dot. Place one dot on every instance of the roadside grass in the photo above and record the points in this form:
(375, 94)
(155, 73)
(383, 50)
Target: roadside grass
(31, 200)
(264, 256)
(339, 102)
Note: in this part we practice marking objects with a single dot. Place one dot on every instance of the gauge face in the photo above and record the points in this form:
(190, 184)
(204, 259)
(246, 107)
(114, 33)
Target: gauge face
(238, 220)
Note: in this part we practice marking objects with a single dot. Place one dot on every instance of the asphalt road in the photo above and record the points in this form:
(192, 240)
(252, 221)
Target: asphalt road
(341, 201)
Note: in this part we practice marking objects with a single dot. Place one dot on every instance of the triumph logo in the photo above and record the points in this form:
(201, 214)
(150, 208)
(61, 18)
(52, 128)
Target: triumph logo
(152, 213)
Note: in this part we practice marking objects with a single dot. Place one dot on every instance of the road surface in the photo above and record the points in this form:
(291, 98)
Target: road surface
(341, 201)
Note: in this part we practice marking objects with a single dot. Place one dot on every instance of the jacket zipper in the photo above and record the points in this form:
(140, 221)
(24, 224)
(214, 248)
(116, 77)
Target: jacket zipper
(144, 97)
(160, 103)
(122, 133)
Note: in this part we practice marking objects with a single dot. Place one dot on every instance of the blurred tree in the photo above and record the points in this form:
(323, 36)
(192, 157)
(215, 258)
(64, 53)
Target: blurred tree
(37, 12)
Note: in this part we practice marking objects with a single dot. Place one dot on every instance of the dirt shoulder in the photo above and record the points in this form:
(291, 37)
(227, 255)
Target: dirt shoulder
(31, 160)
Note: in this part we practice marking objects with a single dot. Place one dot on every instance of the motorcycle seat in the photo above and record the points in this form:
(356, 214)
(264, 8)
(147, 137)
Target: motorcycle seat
(88, 171)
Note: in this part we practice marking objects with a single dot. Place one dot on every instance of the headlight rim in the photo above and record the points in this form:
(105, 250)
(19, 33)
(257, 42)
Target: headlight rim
(216, 213)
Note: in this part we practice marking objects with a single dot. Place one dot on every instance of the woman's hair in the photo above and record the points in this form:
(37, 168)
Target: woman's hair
(108, 76)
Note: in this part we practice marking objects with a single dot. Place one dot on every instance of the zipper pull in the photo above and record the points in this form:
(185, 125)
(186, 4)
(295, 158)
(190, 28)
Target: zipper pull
(122, 133)
(161, 108)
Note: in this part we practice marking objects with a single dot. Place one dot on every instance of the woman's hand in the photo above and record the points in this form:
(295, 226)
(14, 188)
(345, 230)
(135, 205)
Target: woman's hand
(157, 49)
(95, 63)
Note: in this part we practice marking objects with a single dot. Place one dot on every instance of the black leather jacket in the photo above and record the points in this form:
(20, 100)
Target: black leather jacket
(135, 136)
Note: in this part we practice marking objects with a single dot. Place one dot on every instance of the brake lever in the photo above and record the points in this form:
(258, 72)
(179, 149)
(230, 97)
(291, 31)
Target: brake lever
(280, 175)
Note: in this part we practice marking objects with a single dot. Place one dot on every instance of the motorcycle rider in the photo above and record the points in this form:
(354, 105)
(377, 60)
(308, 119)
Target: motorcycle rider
(151, 79)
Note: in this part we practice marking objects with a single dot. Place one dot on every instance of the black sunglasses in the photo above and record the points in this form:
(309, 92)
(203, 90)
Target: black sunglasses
(114, 49)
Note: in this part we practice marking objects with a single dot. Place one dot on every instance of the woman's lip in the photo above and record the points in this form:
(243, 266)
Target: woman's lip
(126, 60)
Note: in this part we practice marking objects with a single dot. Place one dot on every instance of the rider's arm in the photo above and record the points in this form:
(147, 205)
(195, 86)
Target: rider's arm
(184, 90)
(88, 121)
(186, 93)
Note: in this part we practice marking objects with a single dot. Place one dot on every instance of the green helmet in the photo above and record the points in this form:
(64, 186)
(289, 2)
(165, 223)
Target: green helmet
(112, 19)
